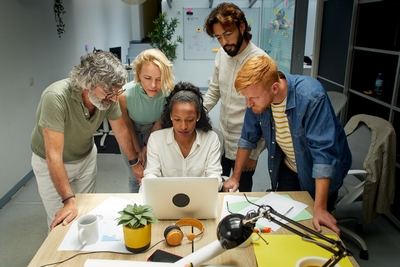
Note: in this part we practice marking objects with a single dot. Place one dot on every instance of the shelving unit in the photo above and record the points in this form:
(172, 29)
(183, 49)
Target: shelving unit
(376, 48)
(359, 39)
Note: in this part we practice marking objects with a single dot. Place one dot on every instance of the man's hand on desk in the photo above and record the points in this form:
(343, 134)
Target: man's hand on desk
(323, 217)
(230, 185)
(66, 214)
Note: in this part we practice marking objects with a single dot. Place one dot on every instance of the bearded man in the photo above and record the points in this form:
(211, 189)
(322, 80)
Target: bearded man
(227, 23)
(64, 157)
(307, 145)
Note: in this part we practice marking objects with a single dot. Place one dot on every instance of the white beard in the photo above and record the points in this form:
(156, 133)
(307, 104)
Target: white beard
(97, 102)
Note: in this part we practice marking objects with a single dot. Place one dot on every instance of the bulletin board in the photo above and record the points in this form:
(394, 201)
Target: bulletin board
(197, 44)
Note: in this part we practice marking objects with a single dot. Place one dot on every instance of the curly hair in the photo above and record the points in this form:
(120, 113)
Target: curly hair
(98, 69)
(228, 15)
(159, 59)
(185, 92)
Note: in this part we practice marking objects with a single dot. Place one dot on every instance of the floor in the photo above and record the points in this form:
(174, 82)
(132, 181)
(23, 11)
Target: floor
(23, 221)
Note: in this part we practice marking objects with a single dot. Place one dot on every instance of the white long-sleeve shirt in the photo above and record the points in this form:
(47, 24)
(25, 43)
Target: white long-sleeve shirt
(165, 159)
(233, 106)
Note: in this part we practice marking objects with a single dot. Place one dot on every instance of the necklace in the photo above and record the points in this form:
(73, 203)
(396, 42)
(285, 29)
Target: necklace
(185, 148)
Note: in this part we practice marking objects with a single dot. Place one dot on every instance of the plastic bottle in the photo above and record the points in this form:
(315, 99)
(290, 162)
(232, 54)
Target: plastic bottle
(378, 84)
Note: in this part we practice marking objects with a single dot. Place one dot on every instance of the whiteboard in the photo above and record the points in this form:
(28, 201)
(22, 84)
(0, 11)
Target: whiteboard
(197, 44)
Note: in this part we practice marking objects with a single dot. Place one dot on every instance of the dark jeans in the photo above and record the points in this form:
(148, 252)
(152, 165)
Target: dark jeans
(289, 181)
(246, 179)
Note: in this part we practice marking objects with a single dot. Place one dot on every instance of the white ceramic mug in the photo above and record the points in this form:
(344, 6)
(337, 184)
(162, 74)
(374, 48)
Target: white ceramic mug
(312, 261)
(253, 238)
(88, 229)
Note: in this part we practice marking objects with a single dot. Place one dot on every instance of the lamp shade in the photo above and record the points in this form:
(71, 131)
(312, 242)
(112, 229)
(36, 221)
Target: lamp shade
(134, 2)
(231, 232)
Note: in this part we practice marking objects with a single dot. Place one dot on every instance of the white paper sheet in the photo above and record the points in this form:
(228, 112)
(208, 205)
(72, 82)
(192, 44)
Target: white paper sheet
(283, 205)
(121, 263)
(111, 235)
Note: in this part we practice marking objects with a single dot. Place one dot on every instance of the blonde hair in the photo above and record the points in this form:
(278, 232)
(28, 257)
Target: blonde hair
(258, 69)
(158, 58)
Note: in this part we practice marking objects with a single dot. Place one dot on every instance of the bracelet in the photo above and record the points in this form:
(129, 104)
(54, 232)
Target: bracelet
(134, 162)
(68, 197)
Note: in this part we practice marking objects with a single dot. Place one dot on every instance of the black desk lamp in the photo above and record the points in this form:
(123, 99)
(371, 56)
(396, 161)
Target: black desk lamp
(235, 229)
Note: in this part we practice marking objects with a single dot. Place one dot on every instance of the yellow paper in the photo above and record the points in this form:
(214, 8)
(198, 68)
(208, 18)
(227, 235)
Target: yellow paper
(286, 250)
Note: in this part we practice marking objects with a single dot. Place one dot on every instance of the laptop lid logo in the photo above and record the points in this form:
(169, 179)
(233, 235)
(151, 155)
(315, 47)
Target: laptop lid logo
(181, 200)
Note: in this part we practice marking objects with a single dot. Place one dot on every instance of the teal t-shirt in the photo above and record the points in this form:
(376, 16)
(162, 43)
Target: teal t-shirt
(143, 109)
(61, 109)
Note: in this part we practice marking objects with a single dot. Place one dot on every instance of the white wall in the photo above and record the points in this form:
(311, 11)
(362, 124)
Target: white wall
(31, 49)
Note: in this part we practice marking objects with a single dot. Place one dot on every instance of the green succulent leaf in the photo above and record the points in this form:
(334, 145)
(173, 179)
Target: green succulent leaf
(136, 216)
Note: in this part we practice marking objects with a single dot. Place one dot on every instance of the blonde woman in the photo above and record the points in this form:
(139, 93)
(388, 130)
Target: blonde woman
(143, 103)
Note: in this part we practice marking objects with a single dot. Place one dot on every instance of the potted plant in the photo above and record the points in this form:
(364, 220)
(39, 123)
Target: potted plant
(161, 37)
(136, 221)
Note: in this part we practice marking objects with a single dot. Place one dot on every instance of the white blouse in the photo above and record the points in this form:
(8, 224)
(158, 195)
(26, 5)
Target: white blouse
(165, 159)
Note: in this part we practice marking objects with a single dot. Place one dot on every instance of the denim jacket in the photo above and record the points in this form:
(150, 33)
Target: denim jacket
(319, 141)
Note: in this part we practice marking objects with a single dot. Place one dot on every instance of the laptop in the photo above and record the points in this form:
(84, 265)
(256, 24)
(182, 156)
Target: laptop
(174, 198)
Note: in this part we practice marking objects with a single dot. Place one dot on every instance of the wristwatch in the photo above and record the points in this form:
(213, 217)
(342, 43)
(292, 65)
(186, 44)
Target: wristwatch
(134, 162)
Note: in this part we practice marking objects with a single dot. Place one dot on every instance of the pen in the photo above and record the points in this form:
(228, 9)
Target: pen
(286, 213)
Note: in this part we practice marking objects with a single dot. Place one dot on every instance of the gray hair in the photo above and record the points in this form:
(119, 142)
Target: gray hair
(98, 69)
(186, 96)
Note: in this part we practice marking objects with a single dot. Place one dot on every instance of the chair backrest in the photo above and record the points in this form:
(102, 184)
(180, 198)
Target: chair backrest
(338, 100)
(359, 142)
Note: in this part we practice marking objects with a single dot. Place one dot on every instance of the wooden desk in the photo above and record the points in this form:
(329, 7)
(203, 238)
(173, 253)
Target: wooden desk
(48, 252)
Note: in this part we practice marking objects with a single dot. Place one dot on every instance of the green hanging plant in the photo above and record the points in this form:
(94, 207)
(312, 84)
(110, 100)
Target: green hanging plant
(161, 37)
(58, 11)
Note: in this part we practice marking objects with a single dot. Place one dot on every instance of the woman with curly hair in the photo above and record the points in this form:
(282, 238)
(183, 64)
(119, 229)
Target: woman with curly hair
(186, 146)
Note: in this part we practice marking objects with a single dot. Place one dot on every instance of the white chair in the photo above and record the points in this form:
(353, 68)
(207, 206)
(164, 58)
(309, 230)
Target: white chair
(104, 132)
(338, 100)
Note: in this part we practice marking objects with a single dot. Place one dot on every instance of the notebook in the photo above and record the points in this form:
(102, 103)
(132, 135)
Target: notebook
(174, 198)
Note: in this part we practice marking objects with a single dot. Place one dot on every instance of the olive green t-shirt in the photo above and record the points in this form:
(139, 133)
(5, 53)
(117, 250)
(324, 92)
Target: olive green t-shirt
(61, 109)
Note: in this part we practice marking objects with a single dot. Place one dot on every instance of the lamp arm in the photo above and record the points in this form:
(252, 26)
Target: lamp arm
(337, 247)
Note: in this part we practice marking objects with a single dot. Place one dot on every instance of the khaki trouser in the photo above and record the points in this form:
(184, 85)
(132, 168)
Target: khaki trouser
(81, 175)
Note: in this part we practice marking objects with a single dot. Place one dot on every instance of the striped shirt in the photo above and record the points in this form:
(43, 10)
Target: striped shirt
(283, 135)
